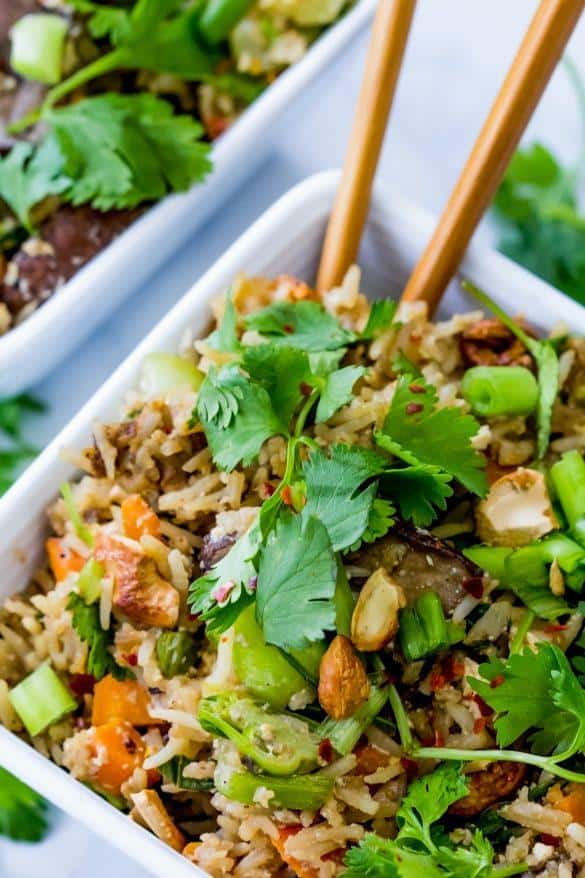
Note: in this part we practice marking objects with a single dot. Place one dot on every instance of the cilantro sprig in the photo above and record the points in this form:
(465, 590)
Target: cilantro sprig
(23, 813)
(86, 622)
(15, 451)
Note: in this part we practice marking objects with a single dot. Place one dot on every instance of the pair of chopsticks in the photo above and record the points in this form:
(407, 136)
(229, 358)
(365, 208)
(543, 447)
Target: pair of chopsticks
(525, 82)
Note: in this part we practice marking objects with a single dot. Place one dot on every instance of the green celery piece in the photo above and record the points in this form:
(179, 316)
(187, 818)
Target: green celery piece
(162, 372)
(41, 699)
(289, 747)
(568, 478)
(38, 44)
(176, 652)
(89, 581)
(345, 733)
(299, 792)
(492, 559)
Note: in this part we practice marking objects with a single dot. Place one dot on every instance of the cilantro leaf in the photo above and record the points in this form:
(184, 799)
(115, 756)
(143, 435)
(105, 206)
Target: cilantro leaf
(237, 416)
(376, 857)
(333, 491)
(225, 338)
(417, 431)
(535, 690)
(281, 372)
(337, 391)
(235, 576)
(86, 622)
(22, 811)
(121, 150)
(380, 318)
(29, 175)
(417, 490)
(14, 450)
(380, 520)
(427, 800)
(304, 325)
(296, 583)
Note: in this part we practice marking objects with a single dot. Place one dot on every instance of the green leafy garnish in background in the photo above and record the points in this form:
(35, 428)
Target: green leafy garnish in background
(537, 210)
(23, 813)
(15, 452)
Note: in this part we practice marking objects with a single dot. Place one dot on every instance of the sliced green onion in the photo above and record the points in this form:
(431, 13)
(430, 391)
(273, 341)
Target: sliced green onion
(41, 699)
(568, 478)
(492, 559)
(89, 581)
(38, 43)
(163, 372)
(81, 529)
(176, 652)
(220, 17)
(492, 391)
(424, 629)
(345, 733)
(300, 792)
(172, 773)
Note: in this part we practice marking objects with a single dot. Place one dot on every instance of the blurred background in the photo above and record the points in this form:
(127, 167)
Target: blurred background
(457, 57)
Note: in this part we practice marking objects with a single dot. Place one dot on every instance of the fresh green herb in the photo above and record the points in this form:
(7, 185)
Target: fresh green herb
(337, 391)
(282, 373)
(219, 17)
(89, 581)
(296, 583)
(418, 491)
(14, 450)
(345, 733)
(176, 652)
(86, 622)
(424, 629)
(547, 362)
(23, 813)
(225, 337)
(289, 748)
(304, 325)
(41, 699)
(173, 773)
(568, 479)
(380, 318)
(29, 175)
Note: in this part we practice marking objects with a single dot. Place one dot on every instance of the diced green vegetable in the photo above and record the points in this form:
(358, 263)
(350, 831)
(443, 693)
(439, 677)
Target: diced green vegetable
(219, 17)
(163, 372)
(344, 602)
(172, 772)
(41, 699)
(38, 43)
(492, 559)
(568, 478)
(277, 743)
(345, 733)
(531, 563)
(81, 529)
(23, 813)
(301, 792)
(492, 391)
(263, 669)
(424, 630)
(176, 652)
(89, 581)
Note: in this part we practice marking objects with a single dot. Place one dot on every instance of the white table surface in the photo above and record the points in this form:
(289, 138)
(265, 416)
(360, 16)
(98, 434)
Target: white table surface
(458, 54)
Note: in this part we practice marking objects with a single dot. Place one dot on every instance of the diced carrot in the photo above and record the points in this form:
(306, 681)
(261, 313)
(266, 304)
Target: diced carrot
(574, 803)
(121, 700)
(138, 518)
(62, 559)
(118, 750)
(301, 870)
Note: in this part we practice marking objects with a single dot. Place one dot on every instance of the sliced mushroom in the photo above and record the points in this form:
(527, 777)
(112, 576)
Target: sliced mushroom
(154, 814)
(140, 593)
(517, 510)
(419, 562)
(496, 782)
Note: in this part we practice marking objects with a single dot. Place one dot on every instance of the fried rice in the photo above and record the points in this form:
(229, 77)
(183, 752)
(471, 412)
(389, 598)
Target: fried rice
(127, 740)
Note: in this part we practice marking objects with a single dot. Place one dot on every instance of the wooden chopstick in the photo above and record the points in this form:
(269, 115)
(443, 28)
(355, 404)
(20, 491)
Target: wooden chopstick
(385, 52)
(527, 78)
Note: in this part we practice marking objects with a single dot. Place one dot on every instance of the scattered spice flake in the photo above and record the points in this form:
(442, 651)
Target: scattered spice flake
(413, 408)
(474, 586)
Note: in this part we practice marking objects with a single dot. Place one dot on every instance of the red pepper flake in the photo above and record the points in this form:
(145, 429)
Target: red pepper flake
(437, 681)
(554, 628)
(81, 684)
(484, 708)
(552, 840)
(288, 328)
(497, 681)
(473, 585)
(286, 496)
(267, 490)
(326, 750)
(131, 659)
(480, 724)
(410, 767)
(416, 388)
(305, 388)
(439, 740)
(413, 408)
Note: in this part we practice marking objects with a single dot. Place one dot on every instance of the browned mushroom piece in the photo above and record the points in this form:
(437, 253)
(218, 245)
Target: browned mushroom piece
(496, 782)
(490, 343)
(419, 562)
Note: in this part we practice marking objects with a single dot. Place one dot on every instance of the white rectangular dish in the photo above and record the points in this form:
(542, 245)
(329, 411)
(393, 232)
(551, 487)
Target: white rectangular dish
(69, 316)
(286, 239)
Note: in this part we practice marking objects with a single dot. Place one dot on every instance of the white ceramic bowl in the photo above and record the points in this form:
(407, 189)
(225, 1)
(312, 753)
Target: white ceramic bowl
(287, 238)
(34, 348)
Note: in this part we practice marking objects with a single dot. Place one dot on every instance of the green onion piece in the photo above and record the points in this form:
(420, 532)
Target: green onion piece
(492, 391)
(568, 478)
(299, 792)
(220, 17)
(163, 372)
(492, 559)
(38, 43)
(81, 529)
(89, 581)
(344, 602)
(344, 734)
(172, 773)
(176, 652)
(41, 699)
(424, 629)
